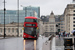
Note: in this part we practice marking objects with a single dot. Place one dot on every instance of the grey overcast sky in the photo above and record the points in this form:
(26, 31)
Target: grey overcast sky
(46, 6)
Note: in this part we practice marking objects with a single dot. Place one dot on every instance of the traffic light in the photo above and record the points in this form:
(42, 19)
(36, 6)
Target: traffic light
(58, 30)
(56, 25)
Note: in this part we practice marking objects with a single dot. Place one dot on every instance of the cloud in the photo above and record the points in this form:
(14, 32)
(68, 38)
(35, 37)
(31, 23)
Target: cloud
(46, 6)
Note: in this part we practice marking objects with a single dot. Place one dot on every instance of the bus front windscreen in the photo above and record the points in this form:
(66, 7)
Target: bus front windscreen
(30, 30)
(30, 20)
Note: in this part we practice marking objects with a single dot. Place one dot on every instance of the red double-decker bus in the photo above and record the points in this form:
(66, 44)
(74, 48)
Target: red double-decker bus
(30, 28)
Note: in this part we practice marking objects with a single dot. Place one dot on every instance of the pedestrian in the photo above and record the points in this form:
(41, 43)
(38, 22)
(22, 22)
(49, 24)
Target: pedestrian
(56, 33)
(59, 34)
(74, 33)
(64, 33)
(68, 34)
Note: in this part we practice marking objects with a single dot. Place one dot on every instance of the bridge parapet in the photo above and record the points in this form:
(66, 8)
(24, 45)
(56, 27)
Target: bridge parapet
(47, 45)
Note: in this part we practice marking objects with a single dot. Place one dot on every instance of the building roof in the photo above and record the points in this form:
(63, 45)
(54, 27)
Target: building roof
(58, 18)
(52, 13)
(12, 25)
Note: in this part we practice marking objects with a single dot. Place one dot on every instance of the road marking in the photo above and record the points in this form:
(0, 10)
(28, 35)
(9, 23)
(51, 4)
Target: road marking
(24, 44)
(34, 44)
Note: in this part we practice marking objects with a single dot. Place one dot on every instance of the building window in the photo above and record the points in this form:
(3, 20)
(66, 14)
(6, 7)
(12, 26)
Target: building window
(61, 18)
(73, 25)
(62, 21)
(1, 30)
(61, 27)
(21, 31)
(62, 30)
(17, 30)
(51, 29)
(73, 28)
(73, 10)
(13, 30)
(51, 25)
(9, 30)
(69, 28)
(73, 21)
(69, 25)
(74, 6)
(73, 14)
(73, 17)
(62, 24)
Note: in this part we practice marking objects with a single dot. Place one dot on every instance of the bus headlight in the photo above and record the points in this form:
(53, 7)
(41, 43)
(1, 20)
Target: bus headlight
(35, 36)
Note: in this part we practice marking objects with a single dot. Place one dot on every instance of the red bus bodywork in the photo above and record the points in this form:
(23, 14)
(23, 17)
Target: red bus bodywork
(25, 35)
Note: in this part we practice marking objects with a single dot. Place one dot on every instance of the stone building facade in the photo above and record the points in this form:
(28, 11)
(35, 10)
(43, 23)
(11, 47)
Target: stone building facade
(41, 27)
(53, 23)
(50, 26)
(69, 14)
(11, 29)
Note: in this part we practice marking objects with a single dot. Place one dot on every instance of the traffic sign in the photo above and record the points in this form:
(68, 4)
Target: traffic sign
(68, 43)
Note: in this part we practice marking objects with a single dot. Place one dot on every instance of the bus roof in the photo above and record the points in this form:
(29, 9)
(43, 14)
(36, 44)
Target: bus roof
(30, 17)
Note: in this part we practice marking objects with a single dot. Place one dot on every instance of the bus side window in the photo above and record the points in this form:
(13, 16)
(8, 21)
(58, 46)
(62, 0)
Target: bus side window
(37, 20)
(34, 20)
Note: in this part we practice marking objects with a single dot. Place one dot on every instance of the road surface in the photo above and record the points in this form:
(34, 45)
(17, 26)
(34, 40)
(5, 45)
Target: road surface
(59, 42)
(21, 44)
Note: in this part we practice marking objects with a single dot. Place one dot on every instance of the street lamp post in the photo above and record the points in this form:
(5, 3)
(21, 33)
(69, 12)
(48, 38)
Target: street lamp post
(4, 18)
(18, 16)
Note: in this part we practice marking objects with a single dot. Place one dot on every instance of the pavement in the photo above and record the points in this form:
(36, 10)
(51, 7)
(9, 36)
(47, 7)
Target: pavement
(57, 43)
(1, 37)
(6, 37)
